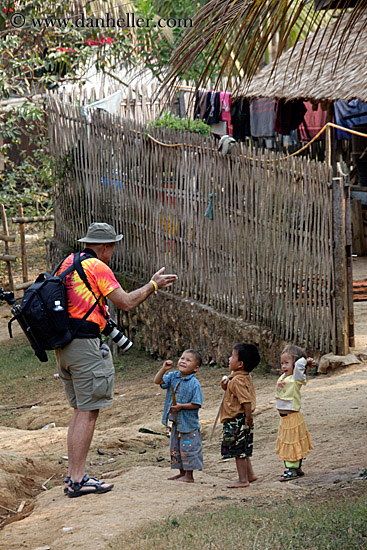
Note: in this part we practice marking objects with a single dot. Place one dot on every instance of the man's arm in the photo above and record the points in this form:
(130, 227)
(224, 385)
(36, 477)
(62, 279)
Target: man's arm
(129, 300)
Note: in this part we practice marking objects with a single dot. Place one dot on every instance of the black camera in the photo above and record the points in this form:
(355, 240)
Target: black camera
(8, 297)
(117, 337)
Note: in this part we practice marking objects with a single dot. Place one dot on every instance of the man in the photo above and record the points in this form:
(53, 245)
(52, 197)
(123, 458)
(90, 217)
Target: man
(86, 370)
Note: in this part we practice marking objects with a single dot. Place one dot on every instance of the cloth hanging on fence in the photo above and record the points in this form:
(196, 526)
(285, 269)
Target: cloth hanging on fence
(262, 116)
(240, 117)
(111, 104)
(348, 114)
(314, 119)
(288, 115)
(209, 212)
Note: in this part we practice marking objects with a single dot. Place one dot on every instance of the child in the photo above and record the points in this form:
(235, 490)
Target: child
(294, 442)
(239, 402)
(183, 401)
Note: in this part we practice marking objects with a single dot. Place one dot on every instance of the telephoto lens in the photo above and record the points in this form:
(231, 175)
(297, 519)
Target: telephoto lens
(118, 338)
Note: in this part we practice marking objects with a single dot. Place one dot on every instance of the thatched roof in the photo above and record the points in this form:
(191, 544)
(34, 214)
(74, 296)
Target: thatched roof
(316, 69)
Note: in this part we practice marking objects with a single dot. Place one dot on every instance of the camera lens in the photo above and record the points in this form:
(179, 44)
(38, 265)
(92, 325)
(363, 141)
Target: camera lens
(120, 340)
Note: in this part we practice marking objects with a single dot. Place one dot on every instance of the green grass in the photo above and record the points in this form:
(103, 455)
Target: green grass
(334, 520)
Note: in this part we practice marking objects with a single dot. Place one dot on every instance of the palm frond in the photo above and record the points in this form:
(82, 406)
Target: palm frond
(237, 33)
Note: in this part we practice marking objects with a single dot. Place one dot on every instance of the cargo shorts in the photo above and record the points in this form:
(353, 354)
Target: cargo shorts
(87, 376)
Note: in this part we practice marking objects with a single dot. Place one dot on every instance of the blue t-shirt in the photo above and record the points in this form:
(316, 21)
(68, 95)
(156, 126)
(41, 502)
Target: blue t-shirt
(187, 390)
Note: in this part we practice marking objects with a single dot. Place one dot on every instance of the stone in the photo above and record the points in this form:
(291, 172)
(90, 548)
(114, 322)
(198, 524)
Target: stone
(331, 361)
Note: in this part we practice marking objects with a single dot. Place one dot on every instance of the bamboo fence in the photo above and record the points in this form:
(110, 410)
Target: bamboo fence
(267, 254)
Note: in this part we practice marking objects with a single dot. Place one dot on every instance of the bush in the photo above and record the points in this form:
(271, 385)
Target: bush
(174, 122)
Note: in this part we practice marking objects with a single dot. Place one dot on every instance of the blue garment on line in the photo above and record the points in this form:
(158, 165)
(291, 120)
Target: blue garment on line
(349, 114)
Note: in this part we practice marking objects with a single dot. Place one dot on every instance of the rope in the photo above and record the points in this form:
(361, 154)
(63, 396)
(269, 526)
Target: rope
(331, 124)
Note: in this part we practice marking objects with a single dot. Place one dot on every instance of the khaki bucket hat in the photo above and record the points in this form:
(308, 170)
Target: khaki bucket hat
(100, 233)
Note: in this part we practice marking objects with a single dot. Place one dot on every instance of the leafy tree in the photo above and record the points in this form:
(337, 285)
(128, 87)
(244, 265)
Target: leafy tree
(45, 43)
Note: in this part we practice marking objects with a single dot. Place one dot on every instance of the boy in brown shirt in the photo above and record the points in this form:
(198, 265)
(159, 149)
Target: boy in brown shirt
(239, 402)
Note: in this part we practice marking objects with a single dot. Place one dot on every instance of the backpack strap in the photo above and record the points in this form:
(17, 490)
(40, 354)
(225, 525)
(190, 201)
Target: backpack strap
(79, 268)
(77, 265)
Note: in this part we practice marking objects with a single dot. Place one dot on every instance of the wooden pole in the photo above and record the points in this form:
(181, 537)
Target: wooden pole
(33, 219)
(340, 268)
(349, 269)
(22, 244)
(6, 232)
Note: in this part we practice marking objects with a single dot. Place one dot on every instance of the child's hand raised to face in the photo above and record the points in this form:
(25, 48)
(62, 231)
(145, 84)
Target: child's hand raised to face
(310, 363)
(167, 365)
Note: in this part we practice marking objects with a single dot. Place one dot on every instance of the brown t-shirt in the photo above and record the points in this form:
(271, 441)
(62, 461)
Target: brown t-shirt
(240, 390)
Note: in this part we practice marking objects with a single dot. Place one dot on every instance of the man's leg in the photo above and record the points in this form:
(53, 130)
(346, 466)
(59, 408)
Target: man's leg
(80, 435)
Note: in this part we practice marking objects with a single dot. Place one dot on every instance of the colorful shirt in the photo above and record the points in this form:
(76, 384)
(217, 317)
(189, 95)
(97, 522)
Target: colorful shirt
(187, 390)
(240, 390)
(80, 299)
(288, 388)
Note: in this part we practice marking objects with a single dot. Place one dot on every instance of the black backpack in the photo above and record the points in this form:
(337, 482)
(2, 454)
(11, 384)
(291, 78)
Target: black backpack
(43, 312)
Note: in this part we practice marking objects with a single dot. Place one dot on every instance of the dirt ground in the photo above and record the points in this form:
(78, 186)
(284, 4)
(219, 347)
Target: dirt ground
(33, 460)
(138, 463)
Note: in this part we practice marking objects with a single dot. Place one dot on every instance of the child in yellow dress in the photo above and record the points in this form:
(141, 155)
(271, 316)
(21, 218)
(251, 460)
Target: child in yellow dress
(294, 442)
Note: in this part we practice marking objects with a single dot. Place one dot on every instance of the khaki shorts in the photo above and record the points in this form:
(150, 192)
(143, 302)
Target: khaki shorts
(88, 377)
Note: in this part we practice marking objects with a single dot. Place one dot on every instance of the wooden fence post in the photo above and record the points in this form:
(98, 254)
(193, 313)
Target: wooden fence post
(7, 257)
(340, 267)
(348, 254)
(22, 245)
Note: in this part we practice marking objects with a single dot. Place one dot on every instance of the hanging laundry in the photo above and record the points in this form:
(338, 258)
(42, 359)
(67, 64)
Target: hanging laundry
(288, 115)
(240, 117)
(314, 119)
(203, 104)
(214, 111)
(348, 114)
(219, 129)
(225, 105)
(288, 140)
(262, 116)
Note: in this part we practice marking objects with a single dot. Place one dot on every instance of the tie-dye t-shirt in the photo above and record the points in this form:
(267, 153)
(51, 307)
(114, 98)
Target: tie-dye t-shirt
(80, 299)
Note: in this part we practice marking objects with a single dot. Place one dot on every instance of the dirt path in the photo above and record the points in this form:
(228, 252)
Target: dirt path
(334, 407)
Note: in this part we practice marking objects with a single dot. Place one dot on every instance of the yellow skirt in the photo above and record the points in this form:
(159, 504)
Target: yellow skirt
(293, 441)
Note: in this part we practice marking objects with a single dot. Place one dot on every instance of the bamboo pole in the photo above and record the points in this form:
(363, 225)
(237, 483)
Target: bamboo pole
(7, 250)
(22, 244)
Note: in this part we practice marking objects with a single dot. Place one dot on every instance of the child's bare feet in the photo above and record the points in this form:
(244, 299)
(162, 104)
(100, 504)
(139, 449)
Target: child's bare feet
(253, 478)
(238, 484)
(175, 477)
(187, 477)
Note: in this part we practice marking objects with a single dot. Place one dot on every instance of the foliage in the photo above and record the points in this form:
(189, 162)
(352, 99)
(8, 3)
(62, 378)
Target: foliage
(45, 44)
(336, 521)
(238, 35)
(174, 122)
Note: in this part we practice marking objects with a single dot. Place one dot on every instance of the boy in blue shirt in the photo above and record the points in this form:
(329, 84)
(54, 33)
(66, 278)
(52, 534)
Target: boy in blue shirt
(183, 401)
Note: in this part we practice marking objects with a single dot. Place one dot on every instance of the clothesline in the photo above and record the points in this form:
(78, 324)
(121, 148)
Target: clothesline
(330, 124)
